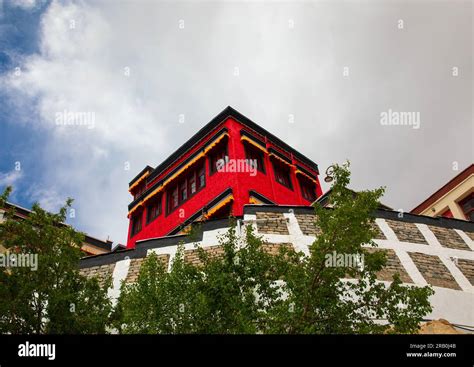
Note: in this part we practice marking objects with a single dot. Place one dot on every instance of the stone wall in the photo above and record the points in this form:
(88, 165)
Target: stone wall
(102, 272)
(433, 270)
(392, 267)
(271, 223)
(421, 250)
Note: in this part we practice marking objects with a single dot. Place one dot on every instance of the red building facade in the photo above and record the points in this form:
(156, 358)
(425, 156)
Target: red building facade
(230, 162)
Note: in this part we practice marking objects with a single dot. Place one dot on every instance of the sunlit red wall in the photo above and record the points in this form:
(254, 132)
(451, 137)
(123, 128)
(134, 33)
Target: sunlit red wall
(240, 183)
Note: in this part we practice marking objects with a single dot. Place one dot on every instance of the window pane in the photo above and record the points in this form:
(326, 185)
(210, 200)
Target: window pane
(202, 178)
(282, 175)
(184, 193)
(254, 158)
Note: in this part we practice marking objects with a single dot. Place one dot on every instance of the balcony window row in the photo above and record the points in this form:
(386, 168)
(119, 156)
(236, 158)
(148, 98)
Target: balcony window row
(187, 186)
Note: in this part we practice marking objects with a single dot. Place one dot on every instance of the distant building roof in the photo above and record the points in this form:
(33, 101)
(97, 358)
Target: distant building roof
(455, 181)
(101, 245)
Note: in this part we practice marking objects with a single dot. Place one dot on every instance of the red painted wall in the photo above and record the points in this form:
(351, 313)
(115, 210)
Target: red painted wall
(240, 182)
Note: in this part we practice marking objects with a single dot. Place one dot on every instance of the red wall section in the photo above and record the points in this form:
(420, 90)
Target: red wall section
(239, 182)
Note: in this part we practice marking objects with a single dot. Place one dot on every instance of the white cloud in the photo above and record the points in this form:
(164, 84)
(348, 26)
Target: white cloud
(10, 178)
(136, 70)
(24, 4)
(48, 199)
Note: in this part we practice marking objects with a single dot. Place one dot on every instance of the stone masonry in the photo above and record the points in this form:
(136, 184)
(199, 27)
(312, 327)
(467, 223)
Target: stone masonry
(467, 268)
(307, 223)
(272, 223)
(449, 238)
(280, 233)
(433, 270)
(192, 256)
(102, 272)
(135, 266)
(406, 232)
(393, 266)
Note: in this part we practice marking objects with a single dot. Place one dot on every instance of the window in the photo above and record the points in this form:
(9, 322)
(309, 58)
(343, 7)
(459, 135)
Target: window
(174, 199)
(136, 224)
(183, 191)
(153, 210)
(192, 185)
(467, 207)
(308, 190)
(219, 153)
(254, 156)
(140, 189)
(447, 213)
(186, 187)
(202, 177)
(282, 174)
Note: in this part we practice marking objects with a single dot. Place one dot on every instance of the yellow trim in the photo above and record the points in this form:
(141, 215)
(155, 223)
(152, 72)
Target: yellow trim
(307, 176)
(219, 205)
(281, 159)
(153, 193)
(194, 160)
(215, 142)
(136, 183)
(250, 141)
(253, 200)
(134, 209)
(190, 163)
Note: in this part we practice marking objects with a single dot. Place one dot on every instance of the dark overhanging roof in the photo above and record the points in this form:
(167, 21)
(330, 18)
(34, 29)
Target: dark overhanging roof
(227, 112)
(142, 172)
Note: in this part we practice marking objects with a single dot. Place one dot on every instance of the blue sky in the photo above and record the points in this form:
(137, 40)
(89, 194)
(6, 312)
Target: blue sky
(136, 69)
(19, 37)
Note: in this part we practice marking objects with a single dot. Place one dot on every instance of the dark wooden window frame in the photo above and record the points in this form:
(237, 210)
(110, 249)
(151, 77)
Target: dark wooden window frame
(280, 169)
(249, 150)
(220, 151)
(137, 218)
(309, 186)
(154, 209)
(185, 182)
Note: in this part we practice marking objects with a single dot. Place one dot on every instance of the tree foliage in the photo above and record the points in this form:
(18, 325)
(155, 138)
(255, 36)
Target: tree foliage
(54, 297)
(245, 289)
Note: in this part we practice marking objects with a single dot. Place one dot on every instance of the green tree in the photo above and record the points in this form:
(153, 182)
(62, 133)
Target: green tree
(226, 293)
(244, 289)
(51, 297)
(320, 300)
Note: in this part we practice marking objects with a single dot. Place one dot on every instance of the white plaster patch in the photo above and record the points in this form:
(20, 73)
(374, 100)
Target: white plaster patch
(119, 274)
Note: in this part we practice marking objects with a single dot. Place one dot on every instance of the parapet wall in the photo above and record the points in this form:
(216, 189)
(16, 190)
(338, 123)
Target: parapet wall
(423, 250)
